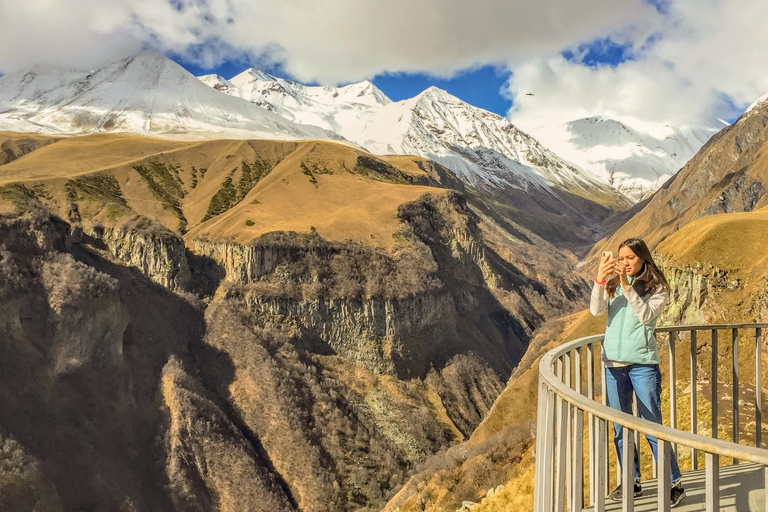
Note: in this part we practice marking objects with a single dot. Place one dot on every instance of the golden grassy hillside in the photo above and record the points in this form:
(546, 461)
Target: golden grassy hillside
(725, 175)
(733, 241)
(222, 189)
(14, 145)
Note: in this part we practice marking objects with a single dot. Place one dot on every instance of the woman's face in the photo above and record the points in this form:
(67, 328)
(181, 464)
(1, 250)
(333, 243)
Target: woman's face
(629, 260)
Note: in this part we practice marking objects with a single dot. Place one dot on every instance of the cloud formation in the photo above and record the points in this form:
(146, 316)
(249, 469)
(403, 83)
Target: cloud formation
(330, 41)
(700, 61)
(690, 60)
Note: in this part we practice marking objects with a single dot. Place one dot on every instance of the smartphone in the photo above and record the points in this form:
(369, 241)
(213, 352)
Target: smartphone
(610, 253)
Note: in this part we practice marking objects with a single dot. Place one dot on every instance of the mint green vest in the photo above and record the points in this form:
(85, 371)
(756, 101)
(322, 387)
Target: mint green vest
(627, 339)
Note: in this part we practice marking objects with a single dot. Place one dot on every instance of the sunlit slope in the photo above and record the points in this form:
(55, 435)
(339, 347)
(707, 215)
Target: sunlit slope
(230, 189)
(732, 241)
(729, 174)
(14, 145)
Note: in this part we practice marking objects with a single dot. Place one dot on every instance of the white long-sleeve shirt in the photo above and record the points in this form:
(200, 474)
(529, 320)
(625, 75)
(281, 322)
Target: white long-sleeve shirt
(647, 310)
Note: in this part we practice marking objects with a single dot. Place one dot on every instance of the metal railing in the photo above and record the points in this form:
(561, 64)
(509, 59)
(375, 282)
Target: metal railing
(567, 391)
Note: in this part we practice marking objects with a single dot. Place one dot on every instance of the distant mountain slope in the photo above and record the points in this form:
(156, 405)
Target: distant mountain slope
(728, 174)
(146, 93)
(337, 318)
(483, 149)
(633, 156)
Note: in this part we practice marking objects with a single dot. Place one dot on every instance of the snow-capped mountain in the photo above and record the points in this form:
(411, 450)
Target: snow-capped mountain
(484, 149)
(633, 156)
(146, 93)
(150, 94)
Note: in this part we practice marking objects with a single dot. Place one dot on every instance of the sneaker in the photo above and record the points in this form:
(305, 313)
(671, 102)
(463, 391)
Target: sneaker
(677, 493)
(617, 493)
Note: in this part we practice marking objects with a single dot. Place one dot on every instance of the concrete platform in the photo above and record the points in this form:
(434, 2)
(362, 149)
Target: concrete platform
(742, 489)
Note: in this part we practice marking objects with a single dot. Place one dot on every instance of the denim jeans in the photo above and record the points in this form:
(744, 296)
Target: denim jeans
(645, 381)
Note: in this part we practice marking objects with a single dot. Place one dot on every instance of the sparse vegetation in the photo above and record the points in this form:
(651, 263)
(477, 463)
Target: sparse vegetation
(249, 222)
(223, 200)
(228, 195)
(376, 169)
(164, 183)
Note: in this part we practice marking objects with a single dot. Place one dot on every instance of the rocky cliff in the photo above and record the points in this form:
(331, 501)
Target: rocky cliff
(293, 373)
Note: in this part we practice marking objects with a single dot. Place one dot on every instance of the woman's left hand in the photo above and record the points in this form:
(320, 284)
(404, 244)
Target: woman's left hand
(621, 271)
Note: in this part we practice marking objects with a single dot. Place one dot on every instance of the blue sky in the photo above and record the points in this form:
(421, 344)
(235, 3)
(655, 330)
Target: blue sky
(483, 86)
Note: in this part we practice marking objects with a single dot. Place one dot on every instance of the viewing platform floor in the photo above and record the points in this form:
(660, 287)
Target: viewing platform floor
(741, 490)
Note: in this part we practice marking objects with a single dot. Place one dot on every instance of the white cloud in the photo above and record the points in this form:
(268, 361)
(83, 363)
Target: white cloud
(330, 41)
(701, 54)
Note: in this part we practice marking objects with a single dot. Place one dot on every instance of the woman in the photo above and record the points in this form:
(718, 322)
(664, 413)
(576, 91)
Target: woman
(634, 299)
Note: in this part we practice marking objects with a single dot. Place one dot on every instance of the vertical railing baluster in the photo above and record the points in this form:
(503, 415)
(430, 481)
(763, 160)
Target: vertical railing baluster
(673, 384)
(694, 407)
(604, 398)
(560, 442)
(765, 488)
(735, 383)
(562, 446)
(635, 414)
(549, 453)
(568, 430)
(663, 484)
(601, 463)
(591, 420)
(539, 449)
(712, 482)
(628, 471)
(713, 383)
(577, 471)
(759, 389)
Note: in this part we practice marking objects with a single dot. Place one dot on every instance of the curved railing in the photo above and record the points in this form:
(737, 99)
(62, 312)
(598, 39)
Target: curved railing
(567, 390)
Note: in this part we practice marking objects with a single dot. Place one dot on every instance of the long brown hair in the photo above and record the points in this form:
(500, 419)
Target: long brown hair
(650, 276)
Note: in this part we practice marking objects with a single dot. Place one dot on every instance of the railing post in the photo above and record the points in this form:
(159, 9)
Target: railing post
(577, 458)
(547, 471)
(604, 399)
(735, 383)
(673, 383)
(694, 406)
(663, 484)
(712, 482)
(591, 420)
(601, 463)
(541, 428)
(765, 487)
(568, 432)
(628, 471)
(759, 389)
(713, 383)
(560, 446)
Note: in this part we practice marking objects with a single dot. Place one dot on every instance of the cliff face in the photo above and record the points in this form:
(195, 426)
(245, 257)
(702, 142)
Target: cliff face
(400, 313)
(155, 252)
(291, 388)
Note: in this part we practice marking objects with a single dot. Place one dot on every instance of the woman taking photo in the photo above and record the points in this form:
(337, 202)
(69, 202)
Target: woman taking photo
(634, 299)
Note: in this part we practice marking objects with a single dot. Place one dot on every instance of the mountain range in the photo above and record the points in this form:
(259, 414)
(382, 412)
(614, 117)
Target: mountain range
(149, 94)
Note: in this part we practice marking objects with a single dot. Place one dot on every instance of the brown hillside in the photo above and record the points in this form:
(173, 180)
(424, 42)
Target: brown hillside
(305, 185)
(14, 145)
(728, 174)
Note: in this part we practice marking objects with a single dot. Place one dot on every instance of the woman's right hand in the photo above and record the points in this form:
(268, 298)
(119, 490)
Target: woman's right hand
(606, 268)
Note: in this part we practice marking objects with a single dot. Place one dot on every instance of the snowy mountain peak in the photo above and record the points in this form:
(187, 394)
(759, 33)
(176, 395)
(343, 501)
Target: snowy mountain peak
(762, 101)
(634, 156)
(143, 93)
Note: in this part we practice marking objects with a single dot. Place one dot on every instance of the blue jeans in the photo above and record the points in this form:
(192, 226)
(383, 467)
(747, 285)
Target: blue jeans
(645, 381)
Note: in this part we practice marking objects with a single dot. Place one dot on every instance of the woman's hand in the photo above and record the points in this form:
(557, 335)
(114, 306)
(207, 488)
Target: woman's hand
(621, 271)
(605, 268)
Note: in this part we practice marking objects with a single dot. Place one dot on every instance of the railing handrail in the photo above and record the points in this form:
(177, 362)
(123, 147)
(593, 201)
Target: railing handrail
(673, 435)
